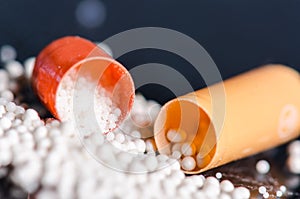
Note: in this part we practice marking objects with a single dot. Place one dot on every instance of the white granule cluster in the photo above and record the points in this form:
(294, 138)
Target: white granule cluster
(185, 151)
(51, 159)
(51, 156)
(293, 161)
(135, 135)
(80, 100)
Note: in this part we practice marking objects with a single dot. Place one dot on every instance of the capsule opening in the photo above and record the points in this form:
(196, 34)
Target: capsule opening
(186, 116)
(97, 89)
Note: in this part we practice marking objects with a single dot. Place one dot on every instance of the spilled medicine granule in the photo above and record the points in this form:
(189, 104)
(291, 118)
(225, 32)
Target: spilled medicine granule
(95, 102)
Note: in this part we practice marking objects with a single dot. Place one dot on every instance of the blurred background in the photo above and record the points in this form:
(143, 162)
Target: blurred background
(239, 35)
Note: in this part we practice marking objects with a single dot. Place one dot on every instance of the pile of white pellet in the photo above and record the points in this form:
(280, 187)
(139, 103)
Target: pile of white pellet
(52, 159)
(78, 90)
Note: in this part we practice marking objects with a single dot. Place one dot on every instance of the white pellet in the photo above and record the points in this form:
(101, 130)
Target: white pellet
(29, 65)
(174, 136)
(176, 147)
(262, 167)
(120, 137)
(22, 129)
(187, 182)
(241, 193)
(212, 180)
(16, 122)
(199, 195)
(178, 174)
(136, 134)
(45, 143)
(130, 145)
(8, 53)
(40, 133)
(9, 115)
(10, 107)
(279, 193)
(46, 194)
(188, 163)
(137, 167)
(224, 196)
(110, 136)
(227, 186)
(197, 180)
(2, 110)
(174, 164)
(283, 188)
(67, 182)
(218, 175)
(162, 158)
(54, 132)
(124, 157)
(188, 149)
(211, 187)
(293, 162)
(26, 137)
(176, 154)
(149, 146)
(266, 195)
(19, 110)
(294, 148)
(3, 83)
(262, 189)
(36, 123)
(140, 145)
(97, 139)
(14, 68)
(4, 143)
(151, 162)
(8, 95)
(117, 112)
(5, 157)
(5, 123)
(42, 153)
(31, 114)
(185, 191)
(168, 187)
(3, 100)
(21, 155)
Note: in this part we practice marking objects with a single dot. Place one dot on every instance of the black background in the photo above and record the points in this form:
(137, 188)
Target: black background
(239, 35)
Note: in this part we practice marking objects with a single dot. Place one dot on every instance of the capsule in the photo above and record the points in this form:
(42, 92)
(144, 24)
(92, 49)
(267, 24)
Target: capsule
(73, 53)
(261, 111)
